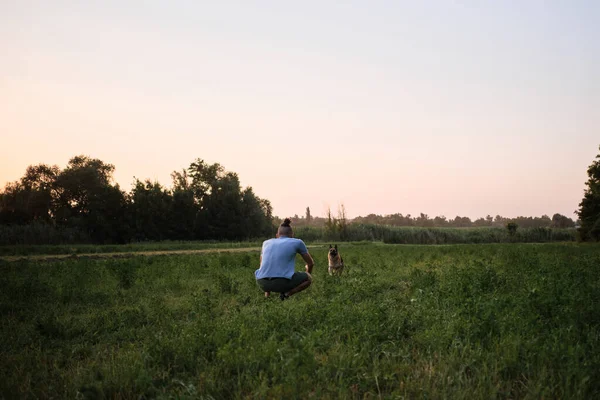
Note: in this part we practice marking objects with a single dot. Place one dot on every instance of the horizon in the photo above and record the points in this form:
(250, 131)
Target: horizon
(386, 108)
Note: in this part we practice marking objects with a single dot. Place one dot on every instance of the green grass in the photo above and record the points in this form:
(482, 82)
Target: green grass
(466, 321)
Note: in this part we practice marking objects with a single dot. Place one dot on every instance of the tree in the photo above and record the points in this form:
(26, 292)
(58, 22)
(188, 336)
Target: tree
(589, 208)
(424, 220)
(561, 221)
(87, 200)
(183, 207)
(150, 211)
(512, 228)
(460, 222)
(32, 198)
(330, 225)
(308, 216)
(440, 221)
(224, 210)
(257, 215)
(480, 222)
(342, 222)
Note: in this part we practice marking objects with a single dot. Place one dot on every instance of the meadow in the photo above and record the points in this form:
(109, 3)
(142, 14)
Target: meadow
(404, 321)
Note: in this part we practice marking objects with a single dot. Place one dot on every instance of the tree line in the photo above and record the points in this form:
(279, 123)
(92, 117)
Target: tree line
(81, 203)
(424, 221)
(205, 202)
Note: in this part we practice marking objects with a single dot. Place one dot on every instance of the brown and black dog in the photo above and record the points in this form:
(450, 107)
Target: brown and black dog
(336, 263)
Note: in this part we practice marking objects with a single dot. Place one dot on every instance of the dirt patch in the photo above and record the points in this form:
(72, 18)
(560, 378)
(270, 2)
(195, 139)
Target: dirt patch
(98, 256)
(58, 257)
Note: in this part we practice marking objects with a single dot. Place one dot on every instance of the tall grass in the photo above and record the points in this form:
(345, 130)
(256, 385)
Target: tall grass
(40, 234)
(410, 235)
(485, 321)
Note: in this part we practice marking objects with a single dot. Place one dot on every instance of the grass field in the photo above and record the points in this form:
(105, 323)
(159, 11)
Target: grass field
(455, 321)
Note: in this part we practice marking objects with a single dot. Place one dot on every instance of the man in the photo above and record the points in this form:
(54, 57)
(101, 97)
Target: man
(277, 261)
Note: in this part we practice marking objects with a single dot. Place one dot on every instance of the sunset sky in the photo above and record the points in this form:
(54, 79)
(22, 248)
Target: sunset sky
(483, 107)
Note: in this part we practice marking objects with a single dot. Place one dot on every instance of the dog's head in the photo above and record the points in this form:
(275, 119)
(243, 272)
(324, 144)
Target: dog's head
(333, 251)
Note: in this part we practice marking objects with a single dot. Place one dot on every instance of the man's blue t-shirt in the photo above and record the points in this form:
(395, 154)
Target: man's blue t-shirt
(278, 257)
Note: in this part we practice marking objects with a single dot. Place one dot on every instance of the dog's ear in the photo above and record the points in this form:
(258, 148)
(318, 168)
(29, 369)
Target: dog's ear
(329, 246)
(336, 246)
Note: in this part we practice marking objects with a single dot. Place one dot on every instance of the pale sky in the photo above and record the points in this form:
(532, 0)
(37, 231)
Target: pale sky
(441, 107)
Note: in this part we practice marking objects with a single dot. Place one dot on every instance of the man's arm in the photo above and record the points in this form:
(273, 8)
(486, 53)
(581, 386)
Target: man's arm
(309, 262)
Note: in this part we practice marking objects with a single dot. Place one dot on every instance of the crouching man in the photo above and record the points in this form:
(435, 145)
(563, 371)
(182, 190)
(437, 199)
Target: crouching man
(277, 260)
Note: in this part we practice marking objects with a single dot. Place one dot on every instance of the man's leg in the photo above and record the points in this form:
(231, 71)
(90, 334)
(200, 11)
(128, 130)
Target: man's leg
(306, 283)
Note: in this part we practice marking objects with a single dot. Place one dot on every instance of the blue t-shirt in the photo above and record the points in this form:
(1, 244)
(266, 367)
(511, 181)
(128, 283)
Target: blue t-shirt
(278, 257)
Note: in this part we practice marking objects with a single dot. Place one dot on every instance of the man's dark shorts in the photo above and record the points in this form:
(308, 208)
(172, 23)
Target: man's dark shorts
(282, 285)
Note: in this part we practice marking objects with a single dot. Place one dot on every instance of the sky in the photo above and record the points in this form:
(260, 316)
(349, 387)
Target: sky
(443, 107)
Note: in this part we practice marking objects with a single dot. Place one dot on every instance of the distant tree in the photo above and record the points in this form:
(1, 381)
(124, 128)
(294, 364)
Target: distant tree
(330, 225)
(423, 220)
(224, 210)
(205, 183)
(267, 210)
(500, 221)
(440, 221)
(561, 221)
(342, 222)
(308, 216)
(32, 199)
(543, 222)
(512, 228)
(150, 211)
(88, 200)
(256, 215)
(480, 222)
(589, 208)
(460, 222)
(183, 207)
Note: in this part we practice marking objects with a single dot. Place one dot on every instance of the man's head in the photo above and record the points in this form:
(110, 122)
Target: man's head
(285, 229)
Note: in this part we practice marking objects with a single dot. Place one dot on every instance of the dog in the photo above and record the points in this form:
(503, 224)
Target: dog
(336, 263)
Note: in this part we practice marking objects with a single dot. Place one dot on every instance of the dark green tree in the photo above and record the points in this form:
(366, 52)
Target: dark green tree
(330, 225)
(512, 228)
(460, 222)
(183, 207)
(150, 211)
(440, 221)
(423, 220)
(308, 216)
(589, 208)
(561, 221)
(256, 215)
(342, 222)
(88, 200)
(31, 199)
(225, 211)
